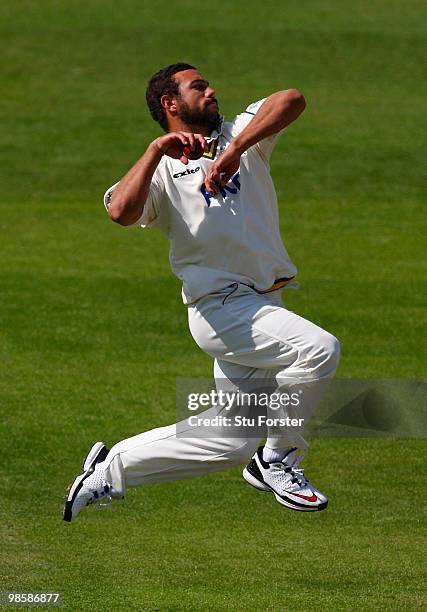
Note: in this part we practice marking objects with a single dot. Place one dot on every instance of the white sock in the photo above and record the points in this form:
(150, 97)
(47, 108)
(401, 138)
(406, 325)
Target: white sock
(274, 455)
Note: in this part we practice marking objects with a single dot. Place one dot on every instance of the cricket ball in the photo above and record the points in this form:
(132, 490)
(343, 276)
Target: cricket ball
(192, 154)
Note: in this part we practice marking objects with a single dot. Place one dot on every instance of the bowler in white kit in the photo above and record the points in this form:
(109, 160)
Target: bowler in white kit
(206, 184)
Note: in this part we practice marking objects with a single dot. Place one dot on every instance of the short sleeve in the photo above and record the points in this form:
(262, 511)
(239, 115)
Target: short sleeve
(153, 213)
(265, 146)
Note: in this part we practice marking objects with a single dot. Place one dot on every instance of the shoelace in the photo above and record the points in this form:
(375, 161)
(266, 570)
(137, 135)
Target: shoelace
(299, 476)
(297, 473)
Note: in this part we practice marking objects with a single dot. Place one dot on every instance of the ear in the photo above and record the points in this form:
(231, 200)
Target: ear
(169, 104)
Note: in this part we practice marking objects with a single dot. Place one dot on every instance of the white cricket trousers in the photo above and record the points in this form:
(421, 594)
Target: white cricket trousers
(251, 337)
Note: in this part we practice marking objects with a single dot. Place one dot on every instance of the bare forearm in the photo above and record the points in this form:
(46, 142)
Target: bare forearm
(276, 112)
(279, 110)
(129, 196)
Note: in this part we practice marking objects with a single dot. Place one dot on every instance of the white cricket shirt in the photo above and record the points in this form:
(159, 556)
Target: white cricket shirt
(218, 240)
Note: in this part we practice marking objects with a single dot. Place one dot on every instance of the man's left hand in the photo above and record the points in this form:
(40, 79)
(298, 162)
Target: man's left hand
(223, 169)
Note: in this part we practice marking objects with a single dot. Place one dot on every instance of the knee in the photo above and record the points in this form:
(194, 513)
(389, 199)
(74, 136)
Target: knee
(331, 350)
(325, 355)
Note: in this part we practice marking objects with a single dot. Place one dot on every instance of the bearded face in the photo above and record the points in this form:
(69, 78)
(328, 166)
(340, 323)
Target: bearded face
(207, 117)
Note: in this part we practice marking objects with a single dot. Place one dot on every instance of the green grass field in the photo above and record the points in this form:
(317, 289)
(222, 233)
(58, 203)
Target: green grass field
(94, 334)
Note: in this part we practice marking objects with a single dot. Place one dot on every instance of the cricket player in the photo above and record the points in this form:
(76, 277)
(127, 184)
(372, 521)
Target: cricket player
(206, 184)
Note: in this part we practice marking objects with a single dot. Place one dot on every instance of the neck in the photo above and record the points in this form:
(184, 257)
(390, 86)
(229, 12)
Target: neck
(175, 124)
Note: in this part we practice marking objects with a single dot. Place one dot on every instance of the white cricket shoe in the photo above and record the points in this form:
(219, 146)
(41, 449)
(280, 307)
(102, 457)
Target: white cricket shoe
(286, 480)
(90, 487)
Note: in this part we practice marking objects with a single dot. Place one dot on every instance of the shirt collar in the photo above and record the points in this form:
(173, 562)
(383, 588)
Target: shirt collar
(215, 133)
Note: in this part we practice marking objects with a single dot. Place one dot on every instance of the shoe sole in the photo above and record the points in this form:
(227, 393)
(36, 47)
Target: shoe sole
(262, 486)
(94, 456)
(252, 480)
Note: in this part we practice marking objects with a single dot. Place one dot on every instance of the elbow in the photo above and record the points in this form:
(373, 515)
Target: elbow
(123, 218)
(118, 213)
(293, 103)
(290, 104)
(294, 98)
(116, 216)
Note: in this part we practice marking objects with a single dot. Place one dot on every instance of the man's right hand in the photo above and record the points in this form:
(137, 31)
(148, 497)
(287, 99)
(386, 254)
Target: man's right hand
(173, 143)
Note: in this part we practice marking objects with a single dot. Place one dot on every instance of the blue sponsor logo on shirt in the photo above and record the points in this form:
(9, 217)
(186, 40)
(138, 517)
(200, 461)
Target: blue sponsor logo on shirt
(233, 186)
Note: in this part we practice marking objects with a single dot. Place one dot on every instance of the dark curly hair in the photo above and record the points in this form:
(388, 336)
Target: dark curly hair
(162, 83)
